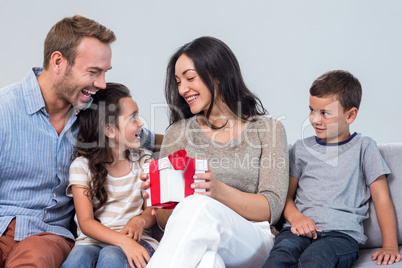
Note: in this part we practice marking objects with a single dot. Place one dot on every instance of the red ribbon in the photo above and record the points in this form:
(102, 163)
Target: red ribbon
(179, 161)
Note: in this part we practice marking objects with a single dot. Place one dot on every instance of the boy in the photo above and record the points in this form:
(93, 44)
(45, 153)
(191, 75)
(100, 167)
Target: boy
(331, 178)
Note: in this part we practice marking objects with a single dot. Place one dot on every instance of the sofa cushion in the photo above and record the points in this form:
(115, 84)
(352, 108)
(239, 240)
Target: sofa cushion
(392, 154)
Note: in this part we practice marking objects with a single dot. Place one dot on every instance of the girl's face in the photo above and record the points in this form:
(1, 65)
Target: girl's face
(191, 87)
(129, 125)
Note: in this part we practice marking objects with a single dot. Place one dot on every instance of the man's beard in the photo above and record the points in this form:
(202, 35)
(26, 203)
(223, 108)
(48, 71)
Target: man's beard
(66, 90)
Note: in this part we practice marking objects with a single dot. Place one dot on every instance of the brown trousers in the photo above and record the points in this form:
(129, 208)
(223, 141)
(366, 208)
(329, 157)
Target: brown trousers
(40, 250)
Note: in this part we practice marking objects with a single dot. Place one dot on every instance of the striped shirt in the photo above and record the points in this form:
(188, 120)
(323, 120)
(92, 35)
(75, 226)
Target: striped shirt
(34, 162)
(124, 196)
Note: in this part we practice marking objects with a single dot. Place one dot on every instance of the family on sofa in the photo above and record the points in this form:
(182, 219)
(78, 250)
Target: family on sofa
(68, 150)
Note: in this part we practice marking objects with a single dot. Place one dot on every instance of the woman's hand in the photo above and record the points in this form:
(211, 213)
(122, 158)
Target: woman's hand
(134, 228)
(211, 185)
(135, 253)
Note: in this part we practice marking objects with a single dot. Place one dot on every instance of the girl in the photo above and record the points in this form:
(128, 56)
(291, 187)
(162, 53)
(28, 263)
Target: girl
(214, 116)
(105, 185)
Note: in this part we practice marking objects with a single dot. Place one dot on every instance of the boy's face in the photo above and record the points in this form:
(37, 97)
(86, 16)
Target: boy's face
(329, 120)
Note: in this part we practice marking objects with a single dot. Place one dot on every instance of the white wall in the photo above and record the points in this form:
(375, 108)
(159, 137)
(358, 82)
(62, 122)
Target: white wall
(282, 47)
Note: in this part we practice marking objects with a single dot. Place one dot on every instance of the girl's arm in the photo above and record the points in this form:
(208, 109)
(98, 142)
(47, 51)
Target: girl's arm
(137, 224)
(387, 220)
(96, 230)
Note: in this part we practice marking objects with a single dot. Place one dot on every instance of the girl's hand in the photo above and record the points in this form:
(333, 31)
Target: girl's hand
(386, 256)
(304, 226)
(136, 254)
(134, 228)
(145, 185)
(211, 185)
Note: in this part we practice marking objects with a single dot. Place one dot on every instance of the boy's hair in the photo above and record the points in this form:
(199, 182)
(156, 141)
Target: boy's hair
(66, 35)
(92, 142)
(340, 83)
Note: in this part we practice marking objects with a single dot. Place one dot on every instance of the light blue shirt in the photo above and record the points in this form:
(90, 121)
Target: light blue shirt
(34, 162)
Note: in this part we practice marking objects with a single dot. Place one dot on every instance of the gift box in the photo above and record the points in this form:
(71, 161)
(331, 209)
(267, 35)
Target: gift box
(170, 179)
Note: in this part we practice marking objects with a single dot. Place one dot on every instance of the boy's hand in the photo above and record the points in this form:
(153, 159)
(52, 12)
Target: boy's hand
(134, 228)
(304, 226)
(386, 256)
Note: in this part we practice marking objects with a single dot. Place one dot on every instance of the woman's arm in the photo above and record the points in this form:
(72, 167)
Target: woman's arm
(269, 201)
(254, 207)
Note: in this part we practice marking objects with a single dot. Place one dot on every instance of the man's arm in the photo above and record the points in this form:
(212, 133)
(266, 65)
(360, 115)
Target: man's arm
(150, 140)
(158, 142)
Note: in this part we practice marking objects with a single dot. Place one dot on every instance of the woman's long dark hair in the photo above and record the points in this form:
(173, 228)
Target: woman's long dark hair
(213, 61)
(92, 142)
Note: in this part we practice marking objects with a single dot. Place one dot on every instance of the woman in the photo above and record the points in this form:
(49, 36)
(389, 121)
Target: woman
(213, 115)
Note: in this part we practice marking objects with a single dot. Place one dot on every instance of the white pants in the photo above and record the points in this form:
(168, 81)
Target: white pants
(202, 232)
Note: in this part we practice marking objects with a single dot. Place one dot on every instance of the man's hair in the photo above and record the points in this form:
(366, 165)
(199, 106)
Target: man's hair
(66, 35)
(340, 83)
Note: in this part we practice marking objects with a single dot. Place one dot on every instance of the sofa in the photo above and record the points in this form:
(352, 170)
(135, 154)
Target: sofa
(392, 154)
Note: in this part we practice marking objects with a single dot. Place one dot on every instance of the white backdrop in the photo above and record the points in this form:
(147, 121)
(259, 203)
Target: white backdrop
(282, 46)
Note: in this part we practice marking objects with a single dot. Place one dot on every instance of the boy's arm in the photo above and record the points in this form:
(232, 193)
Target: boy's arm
(387, 220)
(301, 225)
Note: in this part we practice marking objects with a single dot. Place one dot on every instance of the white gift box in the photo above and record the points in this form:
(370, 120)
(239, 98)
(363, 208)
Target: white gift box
(168, 185)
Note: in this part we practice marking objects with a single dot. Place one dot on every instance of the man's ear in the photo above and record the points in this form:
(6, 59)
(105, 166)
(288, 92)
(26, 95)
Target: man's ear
(352, 114)
(110, 131)
(57, 62)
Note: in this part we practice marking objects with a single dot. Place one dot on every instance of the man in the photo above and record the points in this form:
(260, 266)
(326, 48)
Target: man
(38, 128)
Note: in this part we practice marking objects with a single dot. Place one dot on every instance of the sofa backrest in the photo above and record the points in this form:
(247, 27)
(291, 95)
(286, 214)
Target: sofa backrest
(392, 154)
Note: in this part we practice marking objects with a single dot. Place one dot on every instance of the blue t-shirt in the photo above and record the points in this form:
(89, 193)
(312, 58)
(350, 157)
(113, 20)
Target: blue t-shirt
(334, 179)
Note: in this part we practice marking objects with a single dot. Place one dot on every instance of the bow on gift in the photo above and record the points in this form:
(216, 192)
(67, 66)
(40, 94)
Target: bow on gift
(179, 161)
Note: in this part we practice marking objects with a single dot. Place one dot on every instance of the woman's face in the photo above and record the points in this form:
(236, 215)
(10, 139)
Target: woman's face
(191, 87)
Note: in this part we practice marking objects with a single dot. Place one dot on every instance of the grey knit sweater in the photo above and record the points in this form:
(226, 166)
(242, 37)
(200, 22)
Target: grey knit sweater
(254, 162)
